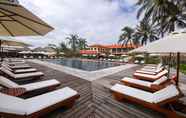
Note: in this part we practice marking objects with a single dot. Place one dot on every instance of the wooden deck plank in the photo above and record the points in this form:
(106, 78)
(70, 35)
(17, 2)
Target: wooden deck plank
(96, 100)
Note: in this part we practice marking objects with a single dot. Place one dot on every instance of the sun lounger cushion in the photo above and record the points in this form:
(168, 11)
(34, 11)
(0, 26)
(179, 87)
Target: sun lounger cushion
(145, 83)
(153, 77)
(136, 81)
(146, 72)
(39, 85)
(22, 75)
(157, 70)
(10, 104)
(29, 87)
(7, 83)
(40, 102)
(159, 96)
(137, 93)
(160, 81)
(166, 93)
(153, 66)
(14, 105)
(25, 70)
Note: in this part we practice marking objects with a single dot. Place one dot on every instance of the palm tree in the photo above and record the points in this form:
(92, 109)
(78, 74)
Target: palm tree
(127, 36)
(63, 47)
(82, 43)
(145, 32)
(168, 14)
(73, 41)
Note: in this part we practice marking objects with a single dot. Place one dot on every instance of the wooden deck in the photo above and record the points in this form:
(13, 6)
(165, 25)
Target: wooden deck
(96, 100)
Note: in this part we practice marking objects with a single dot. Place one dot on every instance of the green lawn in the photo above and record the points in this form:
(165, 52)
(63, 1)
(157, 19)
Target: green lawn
(183, 68)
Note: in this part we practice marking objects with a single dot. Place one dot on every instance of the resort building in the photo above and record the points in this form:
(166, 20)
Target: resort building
(114, 49)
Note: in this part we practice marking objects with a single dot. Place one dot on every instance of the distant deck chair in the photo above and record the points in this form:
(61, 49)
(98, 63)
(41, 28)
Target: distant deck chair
(153, 66)
(150, 100)
(150, 77)
(150, 71)
(23, 66)
(16, 71)
(20, 76)
(146, 85)
(47, 84)
(13, 107)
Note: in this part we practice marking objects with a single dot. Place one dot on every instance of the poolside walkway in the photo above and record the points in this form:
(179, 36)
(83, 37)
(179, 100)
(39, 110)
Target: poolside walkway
(87, 75)
(96, 100)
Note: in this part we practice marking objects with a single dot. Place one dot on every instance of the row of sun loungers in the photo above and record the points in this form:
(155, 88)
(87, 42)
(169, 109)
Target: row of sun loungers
(35, 106)
(152, 90)
(18, 72)
(150, 87)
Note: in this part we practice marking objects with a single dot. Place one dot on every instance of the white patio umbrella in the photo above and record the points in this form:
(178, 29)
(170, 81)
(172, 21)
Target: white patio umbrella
(15, 20)
(10, 43)
(140, 56)
(124, 55)
(173, 43)
(111, 55)
(25, 52)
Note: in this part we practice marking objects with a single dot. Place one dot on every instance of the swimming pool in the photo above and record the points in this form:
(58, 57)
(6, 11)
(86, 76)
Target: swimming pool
(86, 65)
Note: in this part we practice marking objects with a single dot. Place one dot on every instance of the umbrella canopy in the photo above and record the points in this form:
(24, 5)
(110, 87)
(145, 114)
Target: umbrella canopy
(139, 56)
(12, 42)
(173, 43)
(26, 52)
(124, 55)
(15, 20)
(111, 55)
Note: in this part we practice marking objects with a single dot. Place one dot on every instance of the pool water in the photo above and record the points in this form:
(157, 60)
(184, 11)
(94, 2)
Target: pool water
(84, 64)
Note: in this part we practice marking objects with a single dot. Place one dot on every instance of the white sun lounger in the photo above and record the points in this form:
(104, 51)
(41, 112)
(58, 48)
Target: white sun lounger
(23, 66)
(159, 96)
(29, 87)
(146, 85)
(36, 106)
(22, 75)
(16, 71)
(150, 71)
(154, 101)
(25, 70)
(150, 77)
(152, 66)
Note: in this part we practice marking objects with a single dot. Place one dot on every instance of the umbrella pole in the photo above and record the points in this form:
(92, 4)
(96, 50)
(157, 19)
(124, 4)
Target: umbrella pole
(178, 68)
(169, 65)
(1, 50)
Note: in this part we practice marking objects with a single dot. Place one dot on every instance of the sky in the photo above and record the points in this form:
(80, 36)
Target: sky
(99, 21)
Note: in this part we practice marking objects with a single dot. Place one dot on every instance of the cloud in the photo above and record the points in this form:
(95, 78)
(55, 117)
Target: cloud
(99, 21)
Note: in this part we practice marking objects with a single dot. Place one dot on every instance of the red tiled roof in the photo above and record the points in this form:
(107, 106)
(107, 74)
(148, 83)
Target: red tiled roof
(114, 46)
(88, 52)
(121, 46)
(98, 45)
